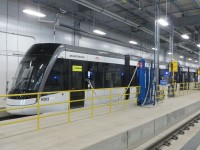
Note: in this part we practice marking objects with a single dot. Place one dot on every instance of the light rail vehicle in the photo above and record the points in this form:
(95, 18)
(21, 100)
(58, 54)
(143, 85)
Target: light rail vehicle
(49, 67)
(57, 67)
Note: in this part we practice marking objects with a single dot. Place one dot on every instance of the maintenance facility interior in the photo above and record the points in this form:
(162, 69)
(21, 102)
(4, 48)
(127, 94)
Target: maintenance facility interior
(99, 74)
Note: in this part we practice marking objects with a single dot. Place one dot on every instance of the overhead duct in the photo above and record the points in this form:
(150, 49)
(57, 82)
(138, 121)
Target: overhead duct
(122, 19)
(196, 3)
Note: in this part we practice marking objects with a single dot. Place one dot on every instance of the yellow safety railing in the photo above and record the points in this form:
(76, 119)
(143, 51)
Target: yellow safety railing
(160, 93)
(94, 99)
(179, 89)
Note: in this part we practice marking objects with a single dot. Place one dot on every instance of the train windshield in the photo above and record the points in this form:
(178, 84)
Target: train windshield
(32, 68)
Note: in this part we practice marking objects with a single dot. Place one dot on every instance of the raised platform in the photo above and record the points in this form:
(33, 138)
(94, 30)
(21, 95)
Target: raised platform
(119, 130)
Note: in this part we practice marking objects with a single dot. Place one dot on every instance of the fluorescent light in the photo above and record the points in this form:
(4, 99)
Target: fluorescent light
(163, 22)
(185, 36)
(181, 56)
(154, 48)
(99, 32)
(170, 53)
(33, 13)
(103, 53)
(196, 61)
(133, 42)
(198, 45)
(189, 58)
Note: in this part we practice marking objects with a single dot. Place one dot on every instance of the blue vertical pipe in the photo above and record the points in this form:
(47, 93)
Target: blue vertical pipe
(151, 83)
(142, 82)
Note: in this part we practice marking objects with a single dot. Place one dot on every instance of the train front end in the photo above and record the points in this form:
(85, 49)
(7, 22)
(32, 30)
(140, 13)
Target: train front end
(29, 79)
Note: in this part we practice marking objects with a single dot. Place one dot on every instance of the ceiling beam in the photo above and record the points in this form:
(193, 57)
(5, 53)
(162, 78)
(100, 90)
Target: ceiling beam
(187, 21)
(124, 20)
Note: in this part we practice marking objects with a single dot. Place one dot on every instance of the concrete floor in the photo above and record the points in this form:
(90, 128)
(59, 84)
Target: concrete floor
(81, 134)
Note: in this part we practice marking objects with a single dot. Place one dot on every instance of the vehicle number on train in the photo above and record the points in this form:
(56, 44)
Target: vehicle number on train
(45, 99)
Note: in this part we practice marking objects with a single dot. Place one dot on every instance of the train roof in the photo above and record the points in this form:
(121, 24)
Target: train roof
(84, 50)
(93, 51)
(98, 52)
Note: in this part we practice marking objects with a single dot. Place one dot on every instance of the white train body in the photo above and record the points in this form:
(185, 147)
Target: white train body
(57, 67)
(20, 103)
(63, 99)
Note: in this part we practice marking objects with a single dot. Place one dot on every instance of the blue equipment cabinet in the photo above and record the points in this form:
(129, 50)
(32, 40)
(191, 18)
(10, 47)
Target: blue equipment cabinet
(146, 86)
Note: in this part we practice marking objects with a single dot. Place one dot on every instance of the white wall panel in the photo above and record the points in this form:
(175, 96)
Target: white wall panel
(63, 37)
(24, 43)
(13, 62)
(3, 42)
(29, 27)
(13, 8)
(2, 22)
(3, 6)
(46, 33)
(12, 42)
(2, 75)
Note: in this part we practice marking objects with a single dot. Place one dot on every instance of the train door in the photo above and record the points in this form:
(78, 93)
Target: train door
(185, 80)
(77, 83)
(195, 77)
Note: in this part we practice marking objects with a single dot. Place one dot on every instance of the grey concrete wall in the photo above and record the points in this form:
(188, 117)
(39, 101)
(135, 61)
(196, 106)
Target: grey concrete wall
(138, 135)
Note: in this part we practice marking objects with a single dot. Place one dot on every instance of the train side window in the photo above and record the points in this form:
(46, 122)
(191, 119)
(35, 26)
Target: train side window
(95, 74)
(55, 79)
(134, 81)
(113, 76)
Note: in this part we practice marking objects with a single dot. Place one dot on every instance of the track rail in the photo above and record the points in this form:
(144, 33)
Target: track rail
(173, 135)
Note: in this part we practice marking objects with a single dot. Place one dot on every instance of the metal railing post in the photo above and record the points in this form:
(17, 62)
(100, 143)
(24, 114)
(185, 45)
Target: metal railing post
(125, 101)
(192, 88)
(110, 100)
(138, 96)
(92, 105)
(38, 112)
(69, 108)
(163, 95)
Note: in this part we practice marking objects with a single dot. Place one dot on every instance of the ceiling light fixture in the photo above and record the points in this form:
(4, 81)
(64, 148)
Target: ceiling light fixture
(181, 56)
(198, 45)
(170, 53)
(102, 52)
(189, 58)
(33, 13)
(163, 22)
(185, 36)
(196, 61)
(133, 42)
(154, 48)
(99, 32)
